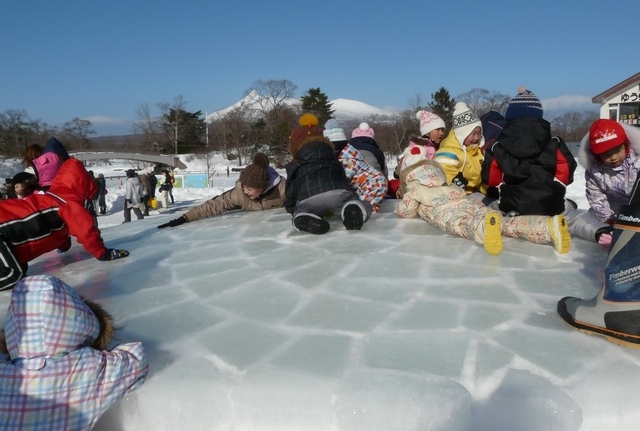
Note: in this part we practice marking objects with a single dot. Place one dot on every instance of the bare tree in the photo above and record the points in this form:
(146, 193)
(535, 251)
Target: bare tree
(482, 101)
(416, 102)
(171, 122)
(148, 126)
(572, 126)
(75, 133)
(273, 93)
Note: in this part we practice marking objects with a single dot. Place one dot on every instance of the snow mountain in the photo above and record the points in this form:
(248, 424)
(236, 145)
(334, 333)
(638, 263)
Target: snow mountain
(346, 110)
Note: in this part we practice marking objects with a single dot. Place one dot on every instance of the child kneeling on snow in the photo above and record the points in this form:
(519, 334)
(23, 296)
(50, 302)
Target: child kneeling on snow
(316, 182)
(55, 370)
(448, 207)
(259, 187)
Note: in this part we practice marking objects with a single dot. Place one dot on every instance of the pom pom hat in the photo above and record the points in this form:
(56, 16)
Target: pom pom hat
(606, 134)
(256, 175)
(363, 130)
(429, 122)
(308, 128)
(464, 121)
(525, 104)
(333, 132)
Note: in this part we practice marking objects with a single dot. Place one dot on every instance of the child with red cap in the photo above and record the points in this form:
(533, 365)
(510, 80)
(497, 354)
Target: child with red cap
(610, 155)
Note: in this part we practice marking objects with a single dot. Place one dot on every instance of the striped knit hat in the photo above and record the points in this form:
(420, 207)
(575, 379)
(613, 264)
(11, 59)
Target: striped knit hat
(525, 104)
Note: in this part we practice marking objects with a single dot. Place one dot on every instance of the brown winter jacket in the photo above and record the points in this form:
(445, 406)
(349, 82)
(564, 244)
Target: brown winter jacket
(235, 199)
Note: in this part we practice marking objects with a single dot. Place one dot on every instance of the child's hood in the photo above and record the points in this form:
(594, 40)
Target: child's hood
(46, 318)
(587, 159)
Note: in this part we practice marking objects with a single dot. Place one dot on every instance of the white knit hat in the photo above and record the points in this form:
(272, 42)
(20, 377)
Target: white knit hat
(333, 131)
(429, 122)
(464, 121)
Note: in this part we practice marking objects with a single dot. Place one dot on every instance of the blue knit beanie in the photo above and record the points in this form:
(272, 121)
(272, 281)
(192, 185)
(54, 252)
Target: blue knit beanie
(525, 104)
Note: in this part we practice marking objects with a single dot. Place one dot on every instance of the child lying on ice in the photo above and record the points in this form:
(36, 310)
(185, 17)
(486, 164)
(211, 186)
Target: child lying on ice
(449, 208)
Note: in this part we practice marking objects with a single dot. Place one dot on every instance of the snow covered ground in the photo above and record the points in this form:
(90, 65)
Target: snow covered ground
(250, 325)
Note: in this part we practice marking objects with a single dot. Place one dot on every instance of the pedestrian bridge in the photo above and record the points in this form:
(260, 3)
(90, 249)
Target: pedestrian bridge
(173, 161)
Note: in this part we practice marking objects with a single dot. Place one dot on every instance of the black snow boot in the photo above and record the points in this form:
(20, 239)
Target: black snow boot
(352, 217)
(307, 223)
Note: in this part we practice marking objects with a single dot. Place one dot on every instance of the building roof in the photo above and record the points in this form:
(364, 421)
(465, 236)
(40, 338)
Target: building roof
(600, 98)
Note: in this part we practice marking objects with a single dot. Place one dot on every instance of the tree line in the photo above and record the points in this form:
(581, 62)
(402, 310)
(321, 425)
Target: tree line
(262, 122)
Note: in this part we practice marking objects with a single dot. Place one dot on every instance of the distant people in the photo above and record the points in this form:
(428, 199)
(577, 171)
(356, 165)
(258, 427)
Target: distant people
(132, 196)
(102, 192)
(43, 222)
(173, 184)
(144, 186)
(7, 190)
(56, 370)
(165, 188)
(316, 183)
(460, 153)
(96, 198)
(24, 184)
(153, 183)
(362, 161)
(259, 187)
(448, 207)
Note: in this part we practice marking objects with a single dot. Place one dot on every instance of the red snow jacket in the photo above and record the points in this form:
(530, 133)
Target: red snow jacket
(42, 222)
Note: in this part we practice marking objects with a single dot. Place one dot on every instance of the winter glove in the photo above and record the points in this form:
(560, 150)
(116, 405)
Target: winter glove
(460, 181)
(173, 223)
(113, 254)
(604, 235)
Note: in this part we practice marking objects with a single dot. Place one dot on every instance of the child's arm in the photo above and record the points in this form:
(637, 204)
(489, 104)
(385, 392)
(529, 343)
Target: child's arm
(450, 164)
(491, 172)
(566, 163)
(597, 198)
(125, 369)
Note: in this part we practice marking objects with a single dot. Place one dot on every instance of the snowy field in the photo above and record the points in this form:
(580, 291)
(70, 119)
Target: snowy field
(250, 325)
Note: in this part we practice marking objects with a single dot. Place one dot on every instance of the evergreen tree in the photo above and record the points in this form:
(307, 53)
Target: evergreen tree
(317, 103)
(187, 127)
(442, 104)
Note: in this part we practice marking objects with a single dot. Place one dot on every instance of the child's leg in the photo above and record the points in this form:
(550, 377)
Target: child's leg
(539, 230)
(308, 216)
(463, 217)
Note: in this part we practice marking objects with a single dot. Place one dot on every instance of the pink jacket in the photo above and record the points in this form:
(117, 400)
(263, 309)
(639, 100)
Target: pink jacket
(46, 167)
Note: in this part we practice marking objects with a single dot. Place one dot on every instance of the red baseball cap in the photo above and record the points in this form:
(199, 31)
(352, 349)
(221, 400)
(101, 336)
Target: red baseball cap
(606, 134)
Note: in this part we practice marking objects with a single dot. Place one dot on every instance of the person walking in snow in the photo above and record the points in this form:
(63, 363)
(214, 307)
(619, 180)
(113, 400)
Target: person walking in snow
(102, 191)
(165, 188)
(132, 196)
(56, 369)
(316, 182)
(259, 187)
(448, 207)
(362, 161)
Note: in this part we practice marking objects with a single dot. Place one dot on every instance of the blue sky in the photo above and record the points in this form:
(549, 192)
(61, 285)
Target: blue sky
(102, 60)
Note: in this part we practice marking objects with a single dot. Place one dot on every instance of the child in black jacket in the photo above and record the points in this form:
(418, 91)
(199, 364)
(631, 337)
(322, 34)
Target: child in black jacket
(316, 182)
